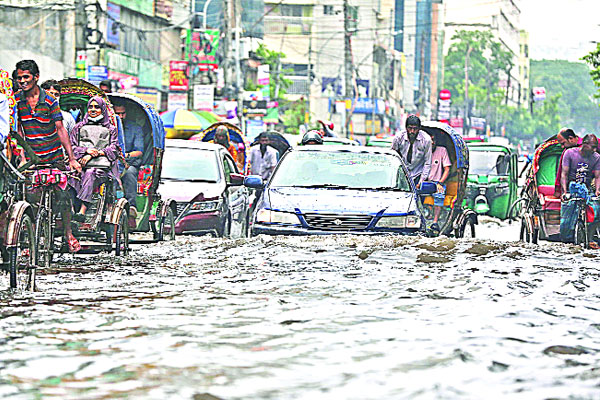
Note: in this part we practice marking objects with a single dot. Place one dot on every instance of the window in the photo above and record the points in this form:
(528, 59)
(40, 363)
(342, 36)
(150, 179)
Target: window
(328, 10)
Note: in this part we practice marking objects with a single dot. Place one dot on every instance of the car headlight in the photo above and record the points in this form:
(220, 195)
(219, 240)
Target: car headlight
(277, 217)
(205, 206)
(405, 221)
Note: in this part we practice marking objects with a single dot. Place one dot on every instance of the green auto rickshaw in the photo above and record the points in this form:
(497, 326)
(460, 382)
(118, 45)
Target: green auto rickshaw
(492, 183)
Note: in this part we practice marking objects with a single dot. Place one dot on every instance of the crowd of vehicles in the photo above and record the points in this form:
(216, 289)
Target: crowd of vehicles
(197, 186)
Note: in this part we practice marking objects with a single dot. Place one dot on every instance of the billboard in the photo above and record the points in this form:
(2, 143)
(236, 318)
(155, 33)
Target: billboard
(202, 49)
(178, 80)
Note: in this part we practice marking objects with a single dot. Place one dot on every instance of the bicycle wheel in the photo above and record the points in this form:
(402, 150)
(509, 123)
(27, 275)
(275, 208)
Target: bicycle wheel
(45, 238)
(516, 209)
(22, 256)
(122, 235)
(167, 225)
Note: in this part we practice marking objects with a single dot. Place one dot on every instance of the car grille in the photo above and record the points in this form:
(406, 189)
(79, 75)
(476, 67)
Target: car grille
(338, 222)
(181, 207)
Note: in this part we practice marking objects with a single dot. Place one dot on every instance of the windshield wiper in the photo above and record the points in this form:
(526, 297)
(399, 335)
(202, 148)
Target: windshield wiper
(324, 185)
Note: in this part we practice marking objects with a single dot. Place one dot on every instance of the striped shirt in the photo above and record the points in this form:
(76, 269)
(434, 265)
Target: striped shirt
(39, 126)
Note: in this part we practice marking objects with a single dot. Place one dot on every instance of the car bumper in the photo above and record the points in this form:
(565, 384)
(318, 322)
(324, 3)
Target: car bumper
(271, 229)
(199, 223)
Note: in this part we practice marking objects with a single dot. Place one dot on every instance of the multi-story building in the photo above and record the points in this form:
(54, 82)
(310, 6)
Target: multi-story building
(311, 34)
(502, 18)
(129, 42)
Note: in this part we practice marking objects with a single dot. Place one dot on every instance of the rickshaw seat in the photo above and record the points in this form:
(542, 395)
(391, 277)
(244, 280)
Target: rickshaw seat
(549, 202)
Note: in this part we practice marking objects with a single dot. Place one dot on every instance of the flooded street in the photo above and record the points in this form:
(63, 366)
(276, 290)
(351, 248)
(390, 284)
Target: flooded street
(345, 317)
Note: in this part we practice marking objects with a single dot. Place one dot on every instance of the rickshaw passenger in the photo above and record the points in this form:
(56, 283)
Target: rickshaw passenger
(52, 87)
(222, 138)
(95, 144)
(414, 146)
(134, 152)
(42, 127)
(440, 170)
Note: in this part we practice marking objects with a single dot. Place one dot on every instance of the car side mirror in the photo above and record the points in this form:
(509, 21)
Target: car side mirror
(236, 179)
(254, 182)
(427, 188)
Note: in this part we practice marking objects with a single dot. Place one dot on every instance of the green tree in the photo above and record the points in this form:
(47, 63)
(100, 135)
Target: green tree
(577, 107)
(277, 82)
(593, 60)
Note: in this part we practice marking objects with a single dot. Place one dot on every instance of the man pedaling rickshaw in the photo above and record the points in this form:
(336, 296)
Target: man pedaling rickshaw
(41, 124)
(580, 167)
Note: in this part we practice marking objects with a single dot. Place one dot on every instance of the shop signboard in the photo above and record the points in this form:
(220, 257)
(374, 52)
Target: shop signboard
(263, 74)
(142, 6)
(163, 9)
(112, 25)
(177, 101)
(97, 73)
(364, 105)
(178, 80)
(478, 123)
(149, 95)
(202, 48)
(204, 97)
(81, 64)
(254, 108)
(120, 62)
(254, 127)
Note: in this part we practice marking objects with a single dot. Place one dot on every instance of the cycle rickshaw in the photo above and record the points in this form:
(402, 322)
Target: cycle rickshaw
(153, 213)
(236, 136)
(455, 218)
(539, 210)
(276, 140)
(106, 221)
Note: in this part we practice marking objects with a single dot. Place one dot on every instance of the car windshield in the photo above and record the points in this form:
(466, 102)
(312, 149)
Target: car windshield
(341, 169)
(482, 162)
(187, 164)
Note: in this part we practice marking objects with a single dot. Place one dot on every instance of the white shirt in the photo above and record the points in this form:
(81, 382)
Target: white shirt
(262, 165)
(68, 120)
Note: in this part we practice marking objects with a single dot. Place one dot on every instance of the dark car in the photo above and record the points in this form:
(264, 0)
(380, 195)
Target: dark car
(205, 182)
(338, 189)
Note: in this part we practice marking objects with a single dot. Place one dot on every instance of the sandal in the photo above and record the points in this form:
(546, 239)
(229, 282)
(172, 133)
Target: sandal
(74, 245)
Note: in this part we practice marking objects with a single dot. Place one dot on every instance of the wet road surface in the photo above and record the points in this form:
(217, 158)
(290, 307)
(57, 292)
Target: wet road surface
(343, 317)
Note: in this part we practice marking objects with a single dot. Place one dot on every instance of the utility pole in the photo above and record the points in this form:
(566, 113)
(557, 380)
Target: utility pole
(238, 72)
(348, 72)
(80, 28)
(465, 126)
(373, 88)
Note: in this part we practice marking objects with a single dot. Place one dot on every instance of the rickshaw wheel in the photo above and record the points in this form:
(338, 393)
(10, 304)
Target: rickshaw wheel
(45, 239)
(469, 228)
(168, 221)
(581, 236)
(122, 235)
(535, 235)
(22, 256)
(524, 235)
(516, 209)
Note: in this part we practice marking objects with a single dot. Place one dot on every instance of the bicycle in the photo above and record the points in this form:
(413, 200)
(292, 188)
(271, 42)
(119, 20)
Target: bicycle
(581, 233)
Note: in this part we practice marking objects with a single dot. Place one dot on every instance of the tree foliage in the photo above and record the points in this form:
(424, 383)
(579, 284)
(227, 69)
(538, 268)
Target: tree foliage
(593, 60)
(277, 82)
(577, 108)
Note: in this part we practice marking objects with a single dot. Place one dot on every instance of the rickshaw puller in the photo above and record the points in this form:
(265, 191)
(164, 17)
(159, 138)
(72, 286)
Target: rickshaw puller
(414, 146)
(42, 127)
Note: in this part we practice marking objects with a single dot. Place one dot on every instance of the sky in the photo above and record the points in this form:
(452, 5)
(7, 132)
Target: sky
(561, 29)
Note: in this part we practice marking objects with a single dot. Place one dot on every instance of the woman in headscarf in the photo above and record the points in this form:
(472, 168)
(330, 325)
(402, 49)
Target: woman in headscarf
(95, 145)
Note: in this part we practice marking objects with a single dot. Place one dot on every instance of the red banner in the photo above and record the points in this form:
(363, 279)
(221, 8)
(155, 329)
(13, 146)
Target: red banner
(178, 80)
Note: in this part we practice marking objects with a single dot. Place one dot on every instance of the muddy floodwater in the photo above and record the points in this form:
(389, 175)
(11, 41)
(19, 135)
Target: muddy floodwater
(344, 317)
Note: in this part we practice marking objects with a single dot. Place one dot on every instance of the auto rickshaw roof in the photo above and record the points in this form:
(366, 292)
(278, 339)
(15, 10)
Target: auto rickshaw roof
(483, 146)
